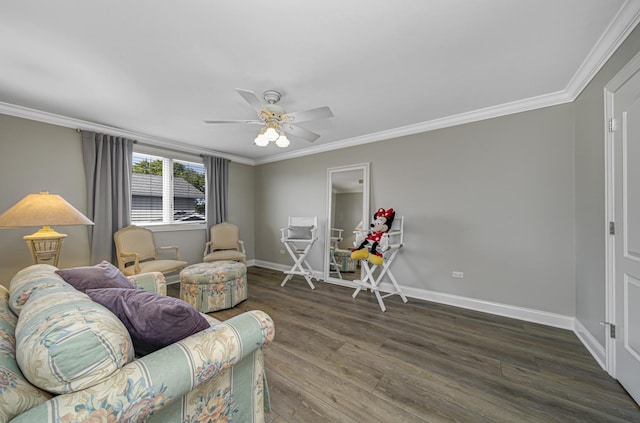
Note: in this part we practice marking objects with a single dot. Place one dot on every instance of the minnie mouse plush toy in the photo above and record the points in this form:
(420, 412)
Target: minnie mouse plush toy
(382, 220)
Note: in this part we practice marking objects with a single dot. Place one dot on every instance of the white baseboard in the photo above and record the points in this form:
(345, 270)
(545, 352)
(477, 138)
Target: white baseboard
(269, 265)
(506, 310)
(282, 267)
(591, 344)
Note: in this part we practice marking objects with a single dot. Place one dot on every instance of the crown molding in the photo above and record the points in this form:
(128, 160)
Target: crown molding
(618, 30)
(533, 103)
(68, 122)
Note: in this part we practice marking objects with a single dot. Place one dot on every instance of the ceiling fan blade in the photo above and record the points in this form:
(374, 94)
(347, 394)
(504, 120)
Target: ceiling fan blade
(312, 114)
(256, 122)
(299, 132)
(252, 99)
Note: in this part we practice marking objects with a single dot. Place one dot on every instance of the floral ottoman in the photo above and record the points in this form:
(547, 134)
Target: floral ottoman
(214, 285)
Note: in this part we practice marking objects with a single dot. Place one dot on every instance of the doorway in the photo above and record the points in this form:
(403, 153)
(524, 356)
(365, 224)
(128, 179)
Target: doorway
(623, 214)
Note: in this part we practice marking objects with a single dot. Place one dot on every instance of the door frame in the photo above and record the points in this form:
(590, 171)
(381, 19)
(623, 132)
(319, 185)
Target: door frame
(610, 292)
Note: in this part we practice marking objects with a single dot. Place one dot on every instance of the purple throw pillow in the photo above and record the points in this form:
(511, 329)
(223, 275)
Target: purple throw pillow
(103, 275)
(153, 320)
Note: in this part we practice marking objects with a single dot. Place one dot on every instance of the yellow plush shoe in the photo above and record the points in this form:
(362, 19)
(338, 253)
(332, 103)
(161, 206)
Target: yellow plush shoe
(375, 259)
(360, 254)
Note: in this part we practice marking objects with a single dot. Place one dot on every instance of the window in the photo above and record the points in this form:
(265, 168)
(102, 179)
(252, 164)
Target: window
(166, 190)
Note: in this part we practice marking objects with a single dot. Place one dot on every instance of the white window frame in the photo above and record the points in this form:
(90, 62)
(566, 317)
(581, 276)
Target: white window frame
(168, 157)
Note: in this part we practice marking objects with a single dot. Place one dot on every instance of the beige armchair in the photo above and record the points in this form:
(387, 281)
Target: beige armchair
(137, 252)
(225, 244)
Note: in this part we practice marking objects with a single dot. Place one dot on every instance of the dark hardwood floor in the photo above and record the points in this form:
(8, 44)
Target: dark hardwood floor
(339, 359)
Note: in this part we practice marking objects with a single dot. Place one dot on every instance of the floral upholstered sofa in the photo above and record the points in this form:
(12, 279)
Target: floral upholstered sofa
(66, 358)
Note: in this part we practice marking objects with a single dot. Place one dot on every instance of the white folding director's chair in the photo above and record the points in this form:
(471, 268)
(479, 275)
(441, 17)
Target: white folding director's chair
(391, 242)
(298, 238)
(334, 239)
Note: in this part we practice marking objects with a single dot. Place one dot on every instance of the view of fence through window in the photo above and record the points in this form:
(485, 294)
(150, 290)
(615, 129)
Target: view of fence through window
(165, 190)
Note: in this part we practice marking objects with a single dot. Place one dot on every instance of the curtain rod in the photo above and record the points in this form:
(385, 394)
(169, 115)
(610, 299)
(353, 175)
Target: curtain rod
(80, 130)
(166, 148)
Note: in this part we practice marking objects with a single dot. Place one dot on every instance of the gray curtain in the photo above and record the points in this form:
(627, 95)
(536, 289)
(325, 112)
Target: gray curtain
(217, 174)
(107, 166)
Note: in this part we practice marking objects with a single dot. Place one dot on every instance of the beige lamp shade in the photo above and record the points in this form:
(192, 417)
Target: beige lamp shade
(44, 210)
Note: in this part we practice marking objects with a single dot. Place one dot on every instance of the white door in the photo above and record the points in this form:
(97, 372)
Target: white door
(626, 153)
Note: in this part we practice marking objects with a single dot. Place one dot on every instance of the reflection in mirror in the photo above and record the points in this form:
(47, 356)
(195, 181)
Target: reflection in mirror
(347, 209)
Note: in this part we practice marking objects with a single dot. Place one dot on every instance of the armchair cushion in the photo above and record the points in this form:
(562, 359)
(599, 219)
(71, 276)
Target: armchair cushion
(103, 275)
(225, 255)
(163, 266)
(153, 321)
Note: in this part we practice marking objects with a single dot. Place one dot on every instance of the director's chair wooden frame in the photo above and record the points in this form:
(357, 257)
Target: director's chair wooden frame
(389, 246)
(298, 238)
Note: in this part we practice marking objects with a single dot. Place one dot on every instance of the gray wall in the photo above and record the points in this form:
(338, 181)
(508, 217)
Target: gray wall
(242, 204)
(36, 156)
(590, 192)
(288, 188)
(493, 199)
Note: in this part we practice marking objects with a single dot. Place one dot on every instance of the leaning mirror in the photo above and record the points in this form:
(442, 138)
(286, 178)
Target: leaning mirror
(347, 209)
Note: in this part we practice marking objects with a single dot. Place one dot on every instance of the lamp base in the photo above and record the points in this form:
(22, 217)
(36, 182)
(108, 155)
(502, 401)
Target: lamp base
(45, 245)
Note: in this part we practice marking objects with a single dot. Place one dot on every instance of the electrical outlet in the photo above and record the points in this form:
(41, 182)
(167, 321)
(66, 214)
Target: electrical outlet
(459, 275)
(282, 252)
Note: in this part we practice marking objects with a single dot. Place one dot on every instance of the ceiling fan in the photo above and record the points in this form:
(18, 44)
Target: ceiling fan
(276, 121)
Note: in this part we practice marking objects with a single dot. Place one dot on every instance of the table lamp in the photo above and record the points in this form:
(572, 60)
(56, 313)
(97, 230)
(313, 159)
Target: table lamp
(44, 210)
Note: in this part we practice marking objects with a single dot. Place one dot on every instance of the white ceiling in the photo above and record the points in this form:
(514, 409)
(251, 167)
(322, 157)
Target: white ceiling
(155, 69)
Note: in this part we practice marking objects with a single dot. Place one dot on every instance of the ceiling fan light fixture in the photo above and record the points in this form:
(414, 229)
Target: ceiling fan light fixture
(272, 117)
(261, 140)
(283, 141)
(271, 134)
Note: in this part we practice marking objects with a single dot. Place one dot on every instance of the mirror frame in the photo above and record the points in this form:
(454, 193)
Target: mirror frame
(364, 167)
